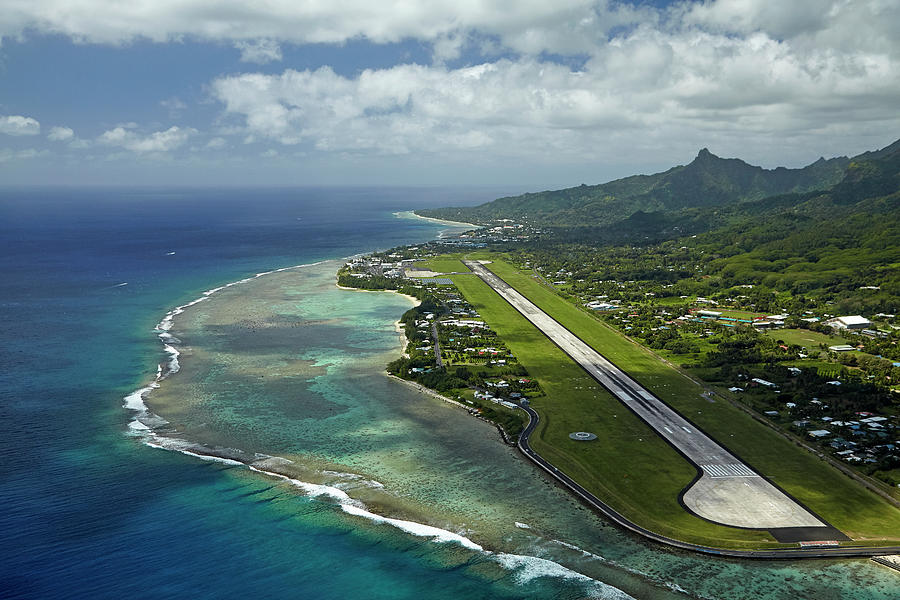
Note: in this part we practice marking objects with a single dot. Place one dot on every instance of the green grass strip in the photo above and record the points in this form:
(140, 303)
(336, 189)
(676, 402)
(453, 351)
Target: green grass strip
(628, 466)
(835, 497)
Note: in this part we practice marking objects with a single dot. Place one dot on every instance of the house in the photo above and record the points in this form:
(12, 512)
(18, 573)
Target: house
(849, 322)
(874, 333)
(763, 382)
(873, 420)
(841, 348)
(819, 433)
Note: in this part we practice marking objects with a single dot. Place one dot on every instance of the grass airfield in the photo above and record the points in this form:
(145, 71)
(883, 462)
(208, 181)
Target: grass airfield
(629, 466)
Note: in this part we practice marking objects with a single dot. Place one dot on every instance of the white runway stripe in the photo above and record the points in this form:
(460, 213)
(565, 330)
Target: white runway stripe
(728, 470)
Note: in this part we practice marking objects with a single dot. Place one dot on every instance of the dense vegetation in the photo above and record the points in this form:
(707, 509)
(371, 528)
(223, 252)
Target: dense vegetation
(708, 181)
(572, 403)
(841, 245)
(832, 248)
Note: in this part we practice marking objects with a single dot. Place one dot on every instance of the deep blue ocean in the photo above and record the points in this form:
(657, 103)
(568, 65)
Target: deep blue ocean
(87, 511)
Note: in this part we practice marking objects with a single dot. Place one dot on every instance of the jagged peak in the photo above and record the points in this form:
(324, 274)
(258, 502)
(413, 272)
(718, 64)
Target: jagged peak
(891, 149)
(705, 157)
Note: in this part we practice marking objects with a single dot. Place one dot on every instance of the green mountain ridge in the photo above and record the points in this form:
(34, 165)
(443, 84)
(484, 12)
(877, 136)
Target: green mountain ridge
(707, 181)
(840, 244)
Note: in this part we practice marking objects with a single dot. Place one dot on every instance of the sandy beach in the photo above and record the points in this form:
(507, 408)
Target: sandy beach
(408, 214)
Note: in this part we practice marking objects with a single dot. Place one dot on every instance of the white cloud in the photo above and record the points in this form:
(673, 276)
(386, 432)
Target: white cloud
(159, 141)
(174, 105)
(525, 26)
(259, 51)
(647, 90)
(525, 22)
(19, 125)
(586, 80)
(216, 143)
(448, 47)
(60, 134)
(7, 155)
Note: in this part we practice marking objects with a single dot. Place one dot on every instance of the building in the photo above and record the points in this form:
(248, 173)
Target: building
(850, 322)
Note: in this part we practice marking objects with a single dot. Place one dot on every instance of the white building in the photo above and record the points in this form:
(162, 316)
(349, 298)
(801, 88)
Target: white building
(850, 322)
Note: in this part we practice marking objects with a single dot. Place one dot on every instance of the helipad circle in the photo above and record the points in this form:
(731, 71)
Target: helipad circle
(583, 436)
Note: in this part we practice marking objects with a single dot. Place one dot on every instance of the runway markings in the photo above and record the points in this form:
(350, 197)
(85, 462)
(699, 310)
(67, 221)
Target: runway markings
(730, 470)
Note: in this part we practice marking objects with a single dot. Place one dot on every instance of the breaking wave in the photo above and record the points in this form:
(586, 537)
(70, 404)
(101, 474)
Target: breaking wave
(523, 569)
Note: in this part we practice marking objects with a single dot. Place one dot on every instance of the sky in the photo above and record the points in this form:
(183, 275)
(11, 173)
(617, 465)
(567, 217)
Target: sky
(432, 92)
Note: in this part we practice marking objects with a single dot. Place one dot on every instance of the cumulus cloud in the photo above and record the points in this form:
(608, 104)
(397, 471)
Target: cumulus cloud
(216, 143)
(566, 80)
(19, 125)
(157, 142)
(448, 47)
(259, 51)
(525, 26)
(60, 134)
(526, 22)
(644, 88)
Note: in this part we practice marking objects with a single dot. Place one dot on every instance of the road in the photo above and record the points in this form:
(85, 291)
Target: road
(616, 517)
(437, 346)
(728, 491)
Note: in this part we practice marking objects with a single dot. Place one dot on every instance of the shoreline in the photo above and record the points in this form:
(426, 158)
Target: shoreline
(234, 457)
(400, 331)
(507, 440)
(412, 299)
(412, 215)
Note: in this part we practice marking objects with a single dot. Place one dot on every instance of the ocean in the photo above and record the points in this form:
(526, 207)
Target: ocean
(360, 486)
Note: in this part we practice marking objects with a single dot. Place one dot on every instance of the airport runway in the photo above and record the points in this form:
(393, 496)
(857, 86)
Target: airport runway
(728, 491)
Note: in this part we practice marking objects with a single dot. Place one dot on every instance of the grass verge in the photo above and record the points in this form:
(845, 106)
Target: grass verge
(859, 513)
(628, 466)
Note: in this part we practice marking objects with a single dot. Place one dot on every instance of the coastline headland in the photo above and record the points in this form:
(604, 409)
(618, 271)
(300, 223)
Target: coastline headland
(409, 214)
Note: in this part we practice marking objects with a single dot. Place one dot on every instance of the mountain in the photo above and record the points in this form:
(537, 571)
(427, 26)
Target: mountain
(838, 240)
(707, 181)
(839, 245)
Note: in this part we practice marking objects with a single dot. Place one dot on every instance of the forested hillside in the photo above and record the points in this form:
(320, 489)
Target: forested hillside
(841, 243)
(707, 181)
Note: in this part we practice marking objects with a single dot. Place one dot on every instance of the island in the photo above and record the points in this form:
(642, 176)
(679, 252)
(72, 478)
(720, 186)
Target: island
(725, 411)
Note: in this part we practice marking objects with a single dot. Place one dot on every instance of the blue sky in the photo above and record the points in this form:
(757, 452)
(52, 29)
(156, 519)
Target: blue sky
(401, 92)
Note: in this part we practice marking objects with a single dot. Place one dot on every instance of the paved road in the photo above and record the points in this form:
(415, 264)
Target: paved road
(728, 491)
(437, 345)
